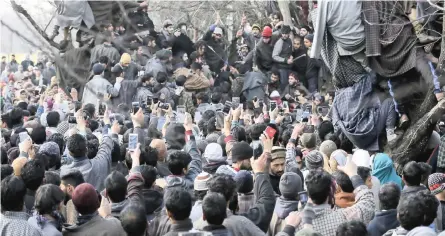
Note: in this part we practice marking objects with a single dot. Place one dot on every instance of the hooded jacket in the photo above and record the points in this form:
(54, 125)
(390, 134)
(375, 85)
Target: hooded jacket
(99, 84)
(117, 207)
(263, 56)
(153, 198)
(282, 209)
(217, 57)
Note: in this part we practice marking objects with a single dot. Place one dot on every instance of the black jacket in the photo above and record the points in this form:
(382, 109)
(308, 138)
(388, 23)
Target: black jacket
(382, 222)
(182, 44)
(263, 56)
(217, 57)
(217, 230)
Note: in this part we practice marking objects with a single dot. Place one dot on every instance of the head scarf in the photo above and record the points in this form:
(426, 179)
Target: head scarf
(383, 169)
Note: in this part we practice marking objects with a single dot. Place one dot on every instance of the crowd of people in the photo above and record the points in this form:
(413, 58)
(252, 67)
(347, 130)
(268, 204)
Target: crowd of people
(233, 138)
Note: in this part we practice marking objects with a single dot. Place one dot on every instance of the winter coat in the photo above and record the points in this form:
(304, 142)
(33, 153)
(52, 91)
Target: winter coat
(245, 202)
(263, 56)
(96, 85)
(153, 200)
(217, 57)
(217, 230)
(94, 170)
(131, 71)
(281, 52)
(117, 207)
(48, 73)
(382, 222)
(48, 228)
(14, 66)
(105, 49)
(182, 43)
(282, 209)
(180, 226)
(154, 66)
(412, 189)
(73, 13)
(26, 63)
(142, 59)
(126, 92)
(254, 85)
(97, 226)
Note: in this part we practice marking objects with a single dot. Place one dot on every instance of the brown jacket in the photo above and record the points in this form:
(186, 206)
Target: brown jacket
(97, 226)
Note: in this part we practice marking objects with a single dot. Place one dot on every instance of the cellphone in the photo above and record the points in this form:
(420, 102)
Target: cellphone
(219, 120)
(155, 100)
(235, 102)
(285, 105)
(132, 141)
(227, 107)
(135, 107)
(180, 113)
(270, 131)
(37, 91)
(72, 120)
(303, 198)
(241, 106)
(255, 99)
(272, 105)
(102, 109)
(308, 129)
(149, 100)
(23, 136)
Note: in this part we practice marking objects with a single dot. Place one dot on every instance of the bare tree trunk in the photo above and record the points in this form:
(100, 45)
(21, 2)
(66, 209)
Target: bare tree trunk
(284, 9)
(440, 65)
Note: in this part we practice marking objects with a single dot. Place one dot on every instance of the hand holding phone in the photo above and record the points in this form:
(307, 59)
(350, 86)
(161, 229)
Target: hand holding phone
(132, 141)
(270, 132)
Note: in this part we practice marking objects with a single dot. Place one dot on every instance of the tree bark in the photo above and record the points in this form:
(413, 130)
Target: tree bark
(284, 9)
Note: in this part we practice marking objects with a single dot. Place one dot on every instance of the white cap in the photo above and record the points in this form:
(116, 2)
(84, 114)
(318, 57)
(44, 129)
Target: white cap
(200, 183)
(218, 31)
(362, 158)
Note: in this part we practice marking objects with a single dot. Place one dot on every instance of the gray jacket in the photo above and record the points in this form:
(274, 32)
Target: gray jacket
(99, 84)
(94, 170)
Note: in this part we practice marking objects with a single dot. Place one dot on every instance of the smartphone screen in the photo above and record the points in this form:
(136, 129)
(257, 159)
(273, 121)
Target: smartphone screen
(155, 100)
(285, 105)
(132, 141)
(303, 197)
(272, 105)
(227, 107)
(149, 100)
(102, 108)
(235, 102)
(135, 107)
(180, 113)
(270, 131)
(23, 136)
(219, 120)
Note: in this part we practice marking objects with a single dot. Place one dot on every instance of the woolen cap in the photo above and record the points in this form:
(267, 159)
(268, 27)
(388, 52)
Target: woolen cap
(267, 31)
(218, 31)
(436, 183)
(85, 198)
(285, 29)
(314, 160)
(98, 68)
(214, 153)
(241, 151)
(308, 140)
(200, 183)
(244, 181)
(278, 152)
(290, 185)
(256, 26)
(125, 58)
(328, 147)
(50, 148)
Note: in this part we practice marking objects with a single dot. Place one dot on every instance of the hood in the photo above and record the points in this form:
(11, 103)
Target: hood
(283, 207)
(213, 166)
(153, 200)
(117, 207)
(383, 169)
(175, 181)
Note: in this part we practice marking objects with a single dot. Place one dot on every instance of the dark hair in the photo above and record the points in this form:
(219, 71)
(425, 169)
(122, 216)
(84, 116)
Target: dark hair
(15, 116)
(343, 181)
(414, 171)
(92, 147)
(214, 208)
(204, 97)
(6, 170)
(325, 128)
(93, 125)
(53, 118)
(178, 203)
(389, 196)
(149, 156)
(103, 60)
(224, 184)
(196, 66)
(430, 206)
(57, 138)
(44, 158)
(334, 138)
(211, 125)
(351, 228)
(24, 107)
(47, 198)
(32, 109)
(32, 174)
(318, 185)
(275, 72)
(216, 97)
(73, 178)
(38, 134)
(178, 161)
(410, 212)
(133, 220)
(256, 130)
(52, 177)
(180, 80)
(146, 77)
(77, 146)
(116, 186)
(149, 174)
(89, 109)
(161, 77)
(13, 193)
(363, 172)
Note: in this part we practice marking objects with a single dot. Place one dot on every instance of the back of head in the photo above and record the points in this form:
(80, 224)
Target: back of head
(6, 170)
(389, 196)
(178, 203)
(178, 161)
(430, 205)
(180, 80)
(53, 118)
(85, 199)
(38, 135)
(314, 160)
(77, 146)
(224, 184)
(290, 185)
(52, 177)
(16, 116)
(214, 208)
(410, 212)
(13, 192)
(308, 140)
(116, 186)
(244, 181)
(73, 178)
(343, 181)
(325, 128)
(32, 174)
(328, 147)
(318, 185)
(149, 174)
(161, 77)
(48, 197)
(175, 136)
(133, 220)
(159, 144)
(414, 171)
(351, 228)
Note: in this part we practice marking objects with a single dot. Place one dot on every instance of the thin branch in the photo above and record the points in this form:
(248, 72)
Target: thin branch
(435, 5)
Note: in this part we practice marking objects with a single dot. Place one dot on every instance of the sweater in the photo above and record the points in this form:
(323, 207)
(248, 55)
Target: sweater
(382, 222)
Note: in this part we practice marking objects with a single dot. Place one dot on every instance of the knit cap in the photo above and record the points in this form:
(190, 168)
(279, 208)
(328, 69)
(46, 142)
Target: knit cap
(200, 183)
(85, 198)
(256, 26)
(285, 29)
(309, 37)
(218, 31)
(267, 31)
(214, 153)
(328, 147)
(125, 58)
(241, 151)
(314, 160)
(167, 23)
(308, 140)
(436, 183)
(290, 185)
(244, 181)
(98, 68)
(50, 148)
(361, 158)
(278, 152)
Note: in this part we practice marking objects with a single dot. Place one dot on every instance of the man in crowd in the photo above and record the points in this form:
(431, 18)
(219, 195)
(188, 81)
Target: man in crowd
(282, 55)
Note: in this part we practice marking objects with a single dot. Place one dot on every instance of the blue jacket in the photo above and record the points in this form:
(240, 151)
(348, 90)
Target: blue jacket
(382, 222)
